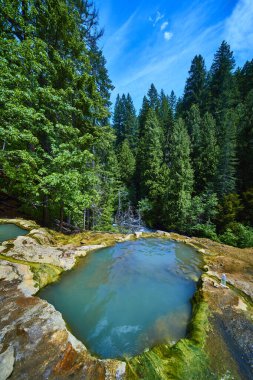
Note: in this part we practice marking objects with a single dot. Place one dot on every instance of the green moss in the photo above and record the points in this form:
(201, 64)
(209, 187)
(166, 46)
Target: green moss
(198, 326)
(43, 274)
(184, 360)
(86, 238)
(26, 225)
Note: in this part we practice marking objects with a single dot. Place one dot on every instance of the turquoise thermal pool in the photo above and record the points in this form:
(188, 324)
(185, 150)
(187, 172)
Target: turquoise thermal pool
(124, 299)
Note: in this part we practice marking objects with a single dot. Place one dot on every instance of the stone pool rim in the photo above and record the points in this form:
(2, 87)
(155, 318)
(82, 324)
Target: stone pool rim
(196, 299)
(193, 354)
(154, 235)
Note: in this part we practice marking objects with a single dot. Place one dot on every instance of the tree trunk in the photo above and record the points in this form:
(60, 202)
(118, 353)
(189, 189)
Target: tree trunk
(61, 215)
(84, 219)
(45, 211)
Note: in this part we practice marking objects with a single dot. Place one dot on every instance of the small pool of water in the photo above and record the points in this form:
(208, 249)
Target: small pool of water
(10, 231)
(124, 299)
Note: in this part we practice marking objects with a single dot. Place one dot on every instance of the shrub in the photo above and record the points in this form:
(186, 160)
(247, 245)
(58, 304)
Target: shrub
(228, 237)
(205, 230)
(228, 211)
(238, 235)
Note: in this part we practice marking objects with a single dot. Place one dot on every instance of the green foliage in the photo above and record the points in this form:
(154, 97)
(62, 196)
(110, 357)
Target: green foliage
(228, 210)
(126, 163)
(153, 98)
(238, 235)
(125, 121)
(205, 231)
(226, 172)
(150, 156)
(195, 88)
(208, 159)
(178, 195)
(248, 206)
(145, 207)
(143, 116)
(244, 78)
(54, 92)
(58, 155)
(152, 173)
(204, 148)
(165, 117)
(222, 85)
(245, 143)
(203, 208)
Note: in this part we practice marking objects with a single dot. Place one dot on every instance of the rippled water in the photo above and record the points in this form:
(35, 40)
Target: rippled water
(10, 231)
(124, 299)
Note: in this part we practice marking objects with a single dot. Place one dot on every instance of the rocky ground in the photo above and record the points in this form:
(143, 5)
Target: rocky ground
(35, 342)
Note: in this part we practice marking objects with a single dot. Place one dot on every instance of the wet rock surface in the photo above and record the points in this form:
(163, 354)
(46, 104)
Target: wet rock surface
(39, 345)
(35, 342)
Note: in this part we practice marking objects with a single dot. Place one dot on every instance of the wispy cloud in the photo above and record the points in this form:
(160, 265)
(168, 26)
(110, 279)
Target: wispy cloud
(164, 25)
(239, 26)
(119, 39)
(168, 35)
(198, 29)
(155, 19)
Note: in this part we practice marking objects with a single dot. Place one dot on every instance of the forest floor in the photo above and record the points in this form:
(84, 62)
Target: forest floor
(35, 342)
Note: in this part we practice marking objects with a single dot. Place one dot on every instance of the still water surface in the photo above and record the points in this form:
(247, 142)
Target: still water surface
(124, 299)
(10, 231)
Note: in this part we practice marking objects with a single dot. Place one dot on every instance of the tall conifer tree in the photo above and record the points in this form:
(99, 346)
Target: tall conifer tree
(195, 88)
(180, 184)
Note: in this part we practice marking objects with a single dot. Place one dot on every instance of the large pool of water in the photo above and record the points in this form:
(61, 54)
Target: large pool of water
(10, 231)
(122, 300)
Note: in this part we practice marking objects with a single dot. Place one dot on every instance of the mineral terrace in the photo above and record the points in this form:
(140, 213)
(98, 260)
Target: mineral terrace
(35, 342)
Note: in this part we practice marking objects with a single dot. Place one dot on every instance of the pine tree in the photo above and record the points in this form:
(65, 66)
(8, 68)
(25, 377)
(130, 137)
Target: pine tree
(165, 115)
(126, 161)
(153, 174)
(195, 88)
(131, 123)
(178, 197)
(194, 125)
(209, 153)
(100, 73)
(153, 98)
(150, 156)
(143, 116)
(245, 144)
(125, 122)
(244, 79)
(118, 120)
(222, 85)
(204, 148)
(226, 174)
(173, 102)
(52, 108)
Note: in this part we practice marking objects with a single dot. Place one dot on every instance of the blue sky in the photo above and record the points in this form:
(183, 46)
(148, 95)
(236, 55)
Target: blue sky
(149, 41)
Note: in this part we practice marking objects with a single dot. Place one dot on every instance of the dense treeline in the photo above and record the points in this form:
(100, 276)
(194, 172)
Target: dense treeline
(193, 156)
(186, 164)
(56, 147)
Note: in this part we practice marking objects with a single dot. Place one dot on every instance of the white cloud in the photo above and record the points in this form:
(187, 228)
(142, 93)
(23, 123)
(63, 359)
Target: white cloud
(239, 26)
(167, 64)
(168, 36)
(164, 25)
(158, 16)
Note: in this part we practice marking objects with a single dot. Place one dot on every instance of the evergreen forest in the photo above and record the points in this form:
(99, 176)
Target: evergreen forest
(184, 164)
